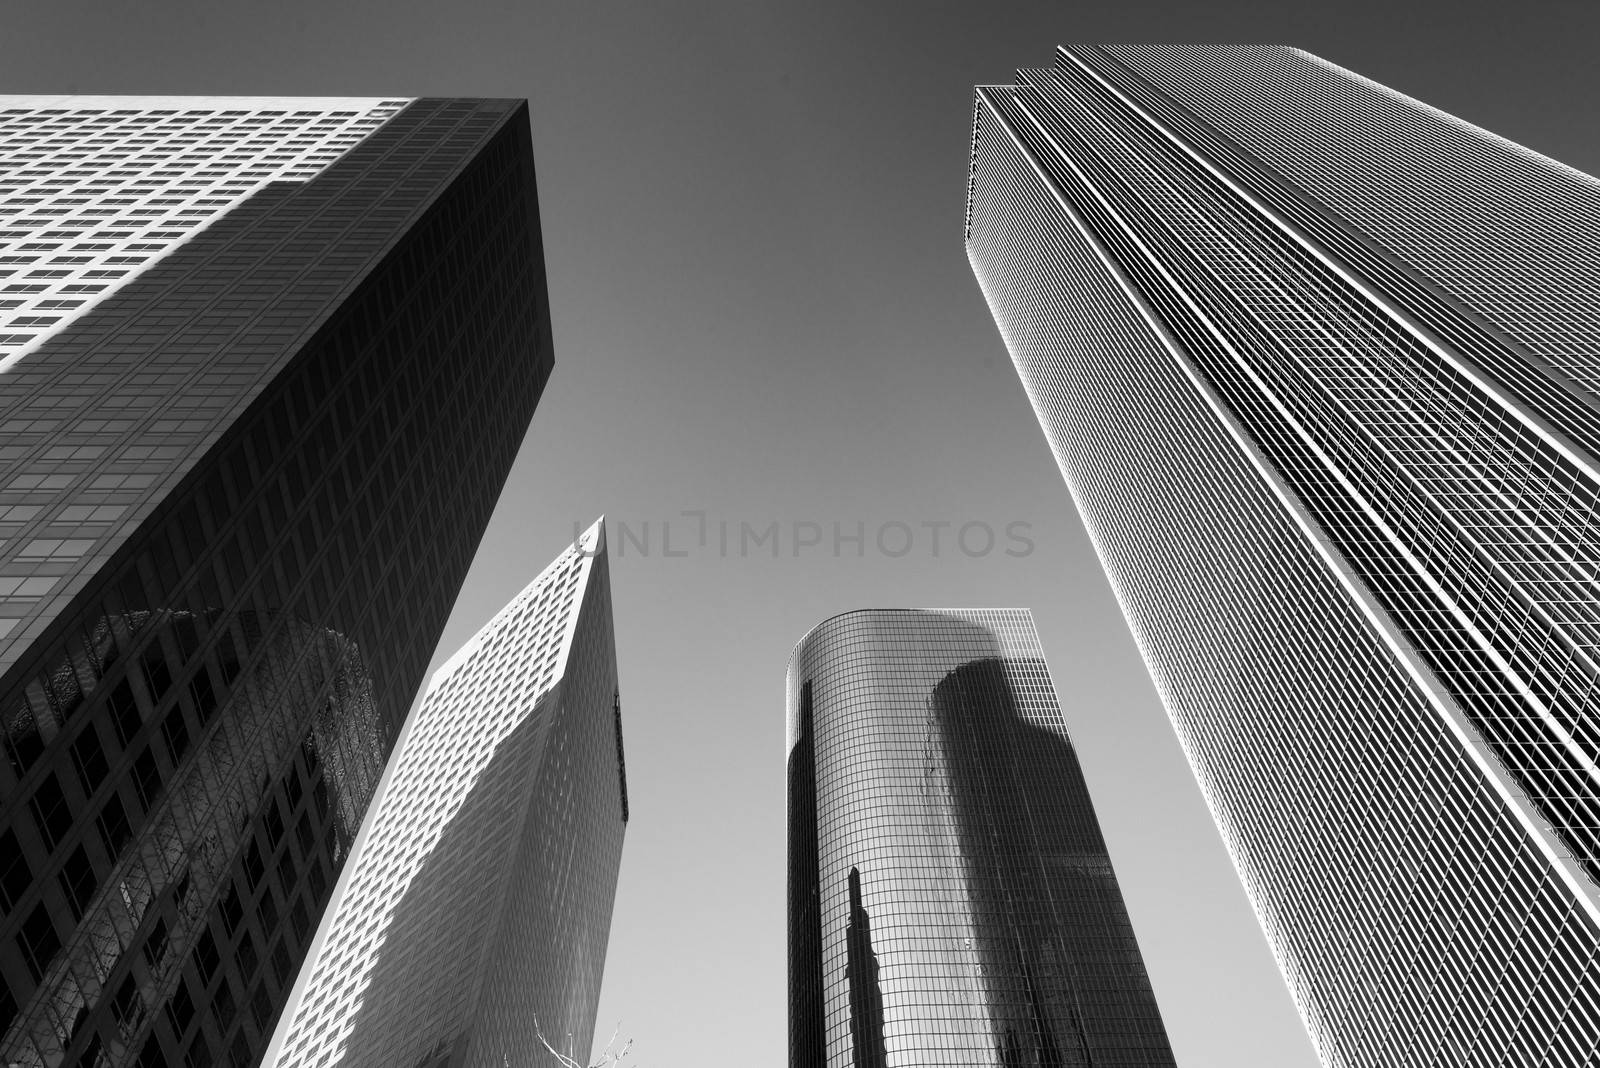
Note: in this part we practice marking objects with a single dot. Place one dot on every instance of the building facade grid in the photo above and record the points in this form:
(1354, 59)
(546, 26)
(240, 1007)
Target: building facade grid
(950, 897)
(196, 711)
(96, 190)
(1385, 687)
(480, 902)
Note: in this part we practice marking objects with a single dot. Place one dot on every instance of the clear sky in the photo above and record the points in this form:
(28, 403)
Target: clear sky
(763, 312)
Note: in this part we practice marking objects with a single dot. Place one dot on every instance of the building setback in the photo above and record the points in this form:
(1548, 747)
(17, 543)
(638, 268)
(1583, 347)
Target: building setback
(477, 910)
(264, 366)
(1318, 364)
(950, 897)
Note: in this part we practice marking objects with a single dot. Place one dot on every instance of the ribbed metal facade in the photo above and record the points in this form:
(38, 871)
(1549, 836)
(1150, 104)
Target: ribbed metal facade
(1317, 362)
(950, 897)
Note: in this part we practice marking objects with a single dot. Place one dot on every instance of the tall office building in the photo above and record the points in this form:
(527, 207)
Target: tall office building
(264, 366)
(1318, 364)
(478, 907)
(950, 897)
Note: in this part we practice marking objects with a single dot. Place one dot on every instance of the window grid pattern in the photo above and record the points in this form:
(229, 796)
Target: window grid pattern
(220, 788)
(482, 897)
(1501, 228)
(349, 339)
(1535, 388)
(1415, 920)
(1377, 437)
(950, 896)
(95, 190)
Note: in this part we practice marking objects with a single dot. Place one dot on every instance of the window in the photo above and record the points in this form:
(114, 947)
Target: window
(205, 957)
(245, 956)
(204, 697)
(78, 882)
(176, 733)
(147, 779)
(254, 867)
(267, 910)
(151, 1056)
(22, 743)
(89, 759)
(62, 689)
(261, 1009)
(183, 628)
(222, 1006)
(15, 875)
(317, 880)
(180, 1008)
(113, 826)
(228, 659)
(38, 941)
(282, 965)
(127, 1008)
(232, 910)
(272, 821)
(287, 873)
(93, 1055)
(199, 1054)
(157, 676)
(125, 718)
(155, 947)
(50, 811)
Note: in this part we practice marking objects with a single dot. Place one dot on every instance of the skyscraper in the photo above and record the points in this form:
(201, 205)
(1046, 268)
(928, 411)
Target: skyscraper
(950, 897)
(1318, 364)
(264, 366)
(480, 903)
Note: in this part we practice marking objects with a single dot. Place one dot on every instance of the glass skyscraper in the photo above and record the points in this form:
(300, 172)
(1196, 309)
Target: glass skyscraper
(479, 905)
(950, 897)
(264, 367)
(1319, 364)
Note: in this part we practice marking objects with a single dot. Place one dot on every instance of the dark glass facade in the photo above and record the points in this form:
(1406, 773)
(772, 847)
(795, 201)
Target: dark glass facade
(951, 901)
(1317, 363)
(248, 484)
(479, 904)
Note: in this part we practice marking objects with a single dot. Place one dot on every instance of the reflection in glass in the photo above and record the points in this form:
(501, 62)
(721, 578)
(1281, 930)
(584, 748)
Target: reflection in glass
(307, 690)
(480, 905)
(950, 900)
(861, 968)
(807, 1043)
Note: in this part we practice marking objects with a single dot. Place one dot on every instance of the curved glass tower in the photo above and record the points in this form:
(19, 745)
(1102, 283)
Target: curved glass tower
(1318, 364)
(950, 897)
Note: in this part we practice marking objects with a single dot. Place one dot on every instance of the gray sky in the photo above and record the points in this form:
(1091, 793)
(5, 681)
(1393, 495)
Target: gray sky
(762, 310)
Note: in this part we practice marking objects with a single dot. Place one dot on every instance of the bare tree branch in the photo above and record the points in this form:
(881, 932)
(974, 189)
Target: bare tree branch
(608, 1059)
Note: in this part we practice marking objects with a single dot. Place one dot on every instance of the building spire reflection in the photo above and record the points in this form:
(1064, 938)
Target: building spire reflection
(866, 997)
(926, 750)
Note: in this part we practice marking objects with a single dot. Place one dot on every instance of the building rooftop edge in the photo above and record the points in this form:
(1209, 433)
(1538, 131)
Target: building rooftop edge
(182, 100)
(873, 611)
(591, 543)
(1066, 49)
